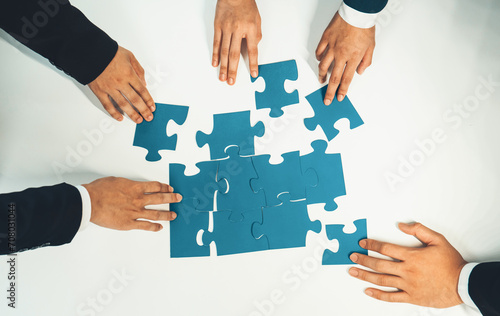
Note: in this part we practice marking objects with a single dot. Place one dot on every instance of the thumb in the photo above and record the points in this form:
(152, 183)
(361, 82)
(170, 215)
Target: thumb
(138, 69)
(421, 232)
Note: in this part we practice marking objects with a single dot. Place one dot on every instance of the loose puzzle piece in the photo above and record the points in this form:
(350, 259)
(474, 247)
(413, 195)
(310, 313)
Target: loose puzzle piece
(348, 243)
(285, 225)
(330, 177)
(231, 129)
(284, 177)
(153, 135)
(237, 172)
(232, 237)
(184, 229)
(199, 189)
(326, 115)
(275, 96)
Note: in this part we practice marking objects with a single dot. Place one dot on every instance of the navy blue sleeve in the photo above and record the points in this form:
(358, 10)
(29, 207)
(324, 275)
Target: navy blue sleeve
(367, 6)
(484, 288)
(61, 33)
(37, 217)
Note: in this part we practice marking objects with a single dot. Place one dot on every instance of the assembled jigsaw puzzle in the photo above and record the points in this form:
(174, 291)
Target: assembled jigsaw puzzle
(255, 205)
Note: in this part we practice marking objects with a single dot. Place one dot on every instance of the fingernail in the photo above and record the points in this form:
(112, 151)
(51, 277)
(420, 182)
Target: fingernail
(340, 97)
(149, 118)
(354, 257)
(214, 63)
(353, 272)
(222, 77)
(230, 81)
(328, 101)
(139, 120)
(254, 74)
(369, 293)
(362, 243)
(171, 189)
(120, 119)
(153, 108)
(174, 216)
(361, 72)
(178, 197)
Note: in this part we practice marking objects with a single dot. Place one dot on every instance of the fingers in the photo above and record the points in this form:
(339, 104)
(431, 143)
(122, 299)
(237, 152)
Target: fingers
(108, 106)
(253, 52)
(421, 232)
(216, 47)
(325, 64)
(349, 71)
(155, 215)
(387, 249)
(377, 278)
(161, 198)
(126, 107)
(392, 297)
(321, 48)
(334, 82)
(234, 58)
(143, 92)
(366, 61)
(224, 56)
(136, 100)
(376, 264)
(156, 186)
(145, 225)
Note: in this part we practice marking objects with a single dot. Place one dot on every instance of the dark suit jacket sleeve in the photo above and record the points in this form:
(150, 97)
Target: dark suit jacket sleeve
(61, 33)
(484, 287)
(367, 6)
(46, 216)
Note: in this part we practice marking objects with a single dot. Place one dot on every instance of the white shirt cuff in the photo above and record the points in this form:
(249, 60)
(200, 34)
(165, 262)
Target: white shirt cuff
(356, 18)
(86, 207)
(463, 284)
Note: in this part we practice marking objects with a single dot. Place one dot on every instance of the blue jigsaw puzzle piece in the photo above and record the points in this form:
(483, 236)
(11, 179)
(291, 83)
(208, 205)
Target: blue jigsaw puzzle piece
(327, 168)
(326, 115)
(237, 172)
(199, 188)
(285, 225)
(184, 230)
(153, 135)
(348, 243)
(231, 129)
(275, 96)
(284, 177)
(233, 237)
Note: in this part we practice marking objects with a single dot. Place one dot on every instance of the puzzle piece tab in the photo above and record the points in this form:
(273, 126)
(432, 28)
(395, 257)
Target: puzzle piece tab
(237, 172)
(284, 177)
(326, 115)
(199, 188)
(153, 135)
(232, 237)
(231, 129)
(184, 230)
(348, 243)
(285, 225)
(330, 176)
(275, 96)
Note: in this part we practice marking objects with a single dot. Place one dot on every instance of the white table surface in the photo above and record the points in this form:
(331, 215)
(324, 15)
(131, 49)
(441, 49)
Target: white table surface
(429, 57)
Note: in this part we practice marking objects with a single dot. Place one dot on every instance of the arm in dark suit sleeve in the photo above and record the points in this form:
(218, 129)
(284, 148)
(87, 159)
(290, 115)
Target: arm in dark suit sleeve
(484, 287)
(46, 216)
(367, 6)
(61, 33)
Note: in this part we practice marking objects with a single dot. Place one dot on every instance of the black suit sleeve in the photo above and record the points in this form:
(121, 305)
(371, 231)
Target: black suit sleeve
(484, 287)
(36, 217)
(367, 6)
(61, 33)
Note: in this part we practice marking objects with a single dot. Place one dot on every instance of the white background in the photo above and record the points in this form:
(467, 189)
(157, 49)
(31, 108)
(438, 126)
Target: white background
(430, 57)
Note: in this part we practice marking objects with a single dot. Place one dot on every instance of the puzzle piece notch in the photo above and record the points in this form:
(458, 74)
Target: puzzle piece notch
(285, 225)
(153, 135)
(232, 237)
(199, 188)
(274, 95)
(327, 115)
(284, 177)
(231, 129)
(327, 168)
(237, 171)
(348, 243)
(184, 229)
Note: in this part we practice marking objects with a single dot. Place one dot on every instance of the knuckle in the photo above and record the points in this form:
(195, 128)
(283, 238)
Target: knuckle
(156, 186)
(225, 51)
(334, 80)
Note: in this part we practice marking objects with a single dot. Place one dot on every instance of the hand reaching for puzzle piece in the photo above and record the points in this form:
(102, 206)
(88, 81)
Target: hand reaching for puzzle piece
(426, 276)
(348, 49)
(235, 20)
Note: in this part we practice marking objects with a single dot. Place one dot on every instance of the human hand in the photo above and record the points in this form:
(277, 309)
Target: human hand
(118, 203)
(425, 276)
(235, 20)
(123, 80)
(349, 49)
